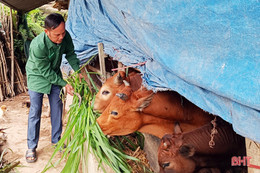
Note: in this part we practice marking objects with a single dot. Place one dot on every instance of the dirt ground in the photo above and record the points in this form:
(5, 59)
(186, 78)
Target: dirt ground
(16, 118)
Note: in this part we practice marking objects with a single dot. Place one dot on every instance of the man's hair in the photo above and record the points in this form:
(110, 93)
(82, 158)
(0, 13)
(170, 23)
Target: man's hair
(53, 20)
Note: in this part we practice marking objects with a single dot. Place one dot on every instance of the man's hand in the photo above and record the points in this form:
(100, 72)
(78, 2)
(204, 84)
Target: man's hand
(69, 89)
(80, 77)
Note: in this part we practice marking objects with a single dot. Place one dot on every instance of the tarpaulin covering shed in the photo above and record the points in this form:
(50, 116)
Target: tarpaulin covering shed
(208, 51)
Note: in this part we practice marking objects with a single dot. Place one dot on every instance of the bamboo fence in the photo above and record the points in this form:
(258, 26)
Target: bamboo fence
(11, 78)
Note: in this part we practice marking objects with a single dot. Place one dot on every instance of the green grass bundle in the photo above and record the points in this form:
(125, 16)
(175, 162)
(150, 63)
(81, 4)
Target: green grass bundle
(84, 136)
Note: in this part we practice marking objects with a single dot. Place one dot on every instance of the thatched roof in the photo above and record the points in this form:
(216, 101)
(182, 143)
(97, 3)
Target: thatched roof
(24, 5)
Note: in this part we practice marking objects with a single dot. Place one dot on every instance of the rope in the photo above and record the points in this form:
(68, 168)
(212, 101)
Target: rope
(213, 132)
(138, 64)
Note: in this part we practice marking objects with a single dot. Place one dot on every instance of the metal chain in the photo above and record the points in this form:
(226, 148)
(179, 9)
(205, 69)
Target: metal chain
(213, 132)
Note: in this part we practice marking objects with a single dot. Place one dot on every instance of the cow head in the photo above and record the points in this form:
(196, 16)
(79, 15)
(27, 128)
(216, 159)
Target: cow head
(173, 155)
(108, 91)
(123, 115)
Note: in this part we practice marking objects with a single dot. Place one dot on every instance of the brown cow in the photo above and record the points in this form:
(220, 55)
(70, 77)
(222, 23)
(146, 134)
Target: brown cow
(123, 117)
(164, 104)
(190, 152)
(113, 85)
(148, 112)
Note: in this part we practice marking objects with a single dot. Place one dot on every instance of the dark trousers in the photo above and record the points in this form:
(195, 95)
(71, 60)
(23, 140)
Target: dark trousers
(34, 119)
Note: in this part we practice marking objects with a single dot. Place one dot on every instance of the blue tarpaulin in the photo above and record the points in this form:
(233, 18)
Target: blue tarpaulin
(208, 51)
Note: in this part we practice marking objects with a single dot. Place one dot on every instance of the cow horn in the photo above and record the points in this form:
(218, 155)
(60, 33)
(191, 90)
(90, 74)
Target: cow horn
(122, 96)
(118, 80)
(126, 83)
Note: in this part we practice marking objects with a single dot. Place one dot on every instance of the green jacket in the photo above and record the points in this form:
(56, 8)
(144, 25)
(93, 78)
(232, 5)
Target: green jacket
(43, 64)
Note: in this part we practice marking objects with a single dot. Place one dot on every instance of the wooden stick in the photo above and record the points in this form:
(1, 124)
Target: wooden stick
(10, 166)
(120, 66)
(1, 78)
(3, 68)
(12, 49)
(101, 56)
(20, 77)
(11, 77)
(1, 71)
(1, 94)
(9, 90)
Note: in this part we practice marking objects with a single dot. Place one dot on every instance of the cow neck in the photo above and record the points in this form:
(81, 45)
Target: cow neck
(225, 137)
(168, 103)
(193, 114)
(156, 126)
(198, 138)
(186, 115)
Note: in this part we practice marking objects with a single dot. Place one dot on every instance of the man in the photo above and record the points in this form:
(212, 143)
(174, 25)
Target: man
(44, 77)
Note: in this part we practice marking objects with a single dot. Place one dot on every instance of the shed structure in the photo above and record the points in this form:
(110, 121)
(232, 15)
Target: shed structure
(24, 5)
(208, 51)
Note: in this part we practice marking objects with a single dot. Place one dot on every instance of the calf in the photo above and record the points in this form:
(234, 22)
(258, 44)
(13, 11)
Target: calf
(190, 152)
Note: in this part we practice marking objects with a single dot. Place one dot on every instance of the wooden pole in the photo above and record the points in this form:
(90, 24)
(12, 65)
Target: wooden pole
(68, 4)
(120, 66)
(253, 151)
(5, 78)
(12, 49)
(101, 56)
(1, 94)
(2, 86)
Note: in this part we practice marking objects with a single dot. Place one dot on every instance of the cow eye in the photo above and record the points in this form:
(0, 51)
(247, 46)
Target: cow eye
(114, 113)
(164, 165)
(105, 92)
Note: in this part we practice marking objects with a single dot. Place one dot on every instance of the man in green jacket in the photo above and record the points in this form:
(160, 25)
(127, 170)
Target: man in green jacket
(44, 77)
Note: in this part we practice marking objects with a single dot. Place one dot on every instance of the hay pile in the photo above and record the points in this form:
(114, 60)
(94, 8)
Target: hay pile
(132, 145)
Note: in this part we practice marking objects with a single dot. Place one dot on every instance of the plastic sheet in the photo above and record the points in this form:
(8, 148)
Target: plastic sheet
(208, 51)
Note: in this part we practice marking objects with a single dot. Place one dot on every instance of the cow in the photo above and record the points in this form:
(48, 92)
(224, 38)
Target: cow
(149, 112)
(122, 117)
(113, 85)
(173, 103)
(190, 151)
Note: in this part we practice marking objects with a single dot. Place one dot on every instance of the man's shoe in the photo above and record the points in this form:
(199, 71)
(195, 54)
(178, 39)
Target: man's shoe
(31, 156)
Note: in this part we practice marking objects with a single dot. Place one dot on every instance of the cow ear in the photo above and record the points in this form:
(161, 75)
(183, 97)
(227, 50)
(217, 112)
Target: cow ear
(166, 141)
(119, 78)
(178, 142)
(187, 151)
(177, 128)
(144, 102)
